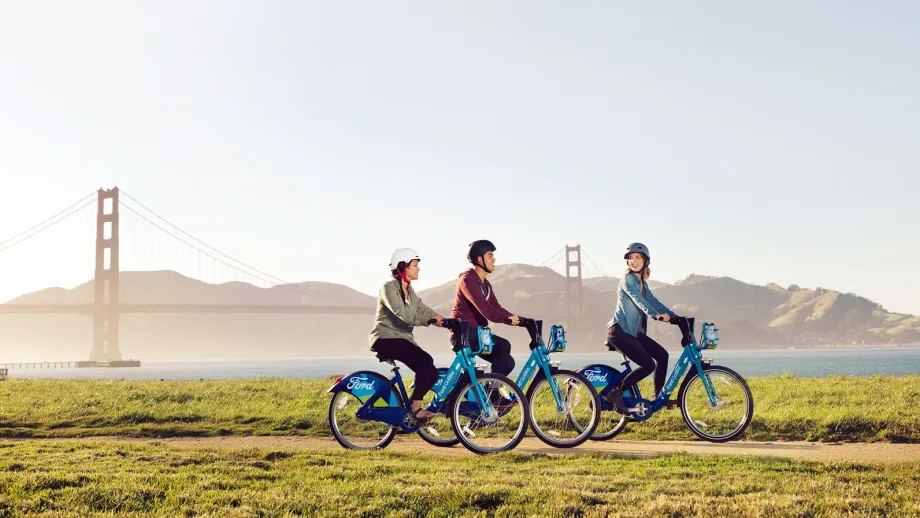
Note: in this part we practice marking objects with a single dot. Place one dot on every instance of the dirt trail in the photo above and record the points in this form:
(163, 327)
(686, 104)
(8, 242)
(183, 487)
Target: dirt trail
(822, 452)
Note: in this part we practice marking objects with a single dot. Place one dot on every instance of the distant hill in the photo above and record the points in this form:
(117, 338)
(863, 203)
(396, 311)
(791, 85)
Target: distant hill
(748, 316)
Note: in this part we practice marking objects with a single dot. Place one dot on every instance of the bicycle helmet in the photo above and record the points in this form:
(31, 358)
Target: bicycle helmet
(402, 255)
(642, 249)
(477, 249)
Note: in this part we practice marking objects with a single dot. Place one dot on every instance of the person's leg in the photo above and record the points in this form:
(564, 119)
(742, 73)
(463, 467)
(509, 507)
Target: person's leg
(500, 357)
(417, 359)
(660, 355)
(633, 349)
(502, 363)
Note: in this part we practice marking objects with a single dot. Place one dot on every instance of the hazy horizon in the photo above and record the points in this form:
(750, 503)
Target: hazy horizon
(767, 143)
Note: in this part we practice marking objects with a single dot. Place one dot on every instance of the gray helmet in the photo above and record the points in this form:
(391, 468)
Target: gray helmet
(638, 247)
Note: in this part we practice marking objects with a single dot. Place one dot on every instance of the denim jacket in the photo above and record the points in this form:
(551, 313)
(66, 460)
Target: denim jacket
(631, 305)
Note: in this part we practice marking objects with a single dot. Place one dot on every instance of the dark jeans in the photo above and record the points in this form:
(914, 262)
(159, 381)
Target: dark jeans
(500, 357)
(421, 363)
(645, 352)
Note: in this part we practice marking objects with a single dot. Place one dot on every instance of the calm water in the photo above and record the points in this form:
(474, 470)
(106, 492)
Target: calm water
(801, 363)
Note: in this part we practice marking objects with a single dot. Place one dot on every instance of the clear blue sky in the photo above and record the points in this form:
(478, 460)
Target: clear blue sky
(768, 142)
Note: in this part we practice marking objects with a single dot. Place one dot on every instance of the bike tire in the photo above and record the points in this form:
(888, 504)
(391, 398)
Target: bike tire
(749, 404)
(458, 427)
(587, 432)
(339, 436)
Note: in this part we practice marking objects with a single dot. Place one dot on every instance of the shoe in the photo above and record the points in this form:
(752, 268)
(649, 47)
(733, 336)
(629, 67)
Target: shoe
(615, 398)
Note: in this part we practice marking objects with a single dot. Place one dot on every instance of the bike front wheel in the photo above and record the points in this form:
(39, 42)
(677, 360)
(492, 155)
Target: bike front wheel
(732, 413)
(575, 421)
(503, 428)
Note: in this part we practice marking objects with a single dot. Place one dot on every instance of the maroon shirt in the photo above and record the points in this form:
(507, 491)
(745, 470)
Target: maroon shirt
(476, 301)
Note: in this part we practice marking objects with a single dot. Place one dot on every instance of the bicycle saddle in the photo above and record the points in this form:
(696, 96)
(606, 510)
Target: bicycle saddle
(383, 358)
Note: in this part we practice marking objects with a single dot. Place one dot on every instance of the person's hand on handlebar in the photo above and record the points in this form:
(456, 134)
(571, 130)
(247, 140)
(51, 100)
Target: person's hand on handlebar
(515, 320)
(438, 320)
(664, 317)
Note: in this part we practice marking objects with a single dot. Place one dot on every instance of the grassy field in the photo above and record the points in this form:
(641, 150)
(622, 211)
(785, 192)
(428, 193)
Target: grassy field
(66, 478)
(879, 408)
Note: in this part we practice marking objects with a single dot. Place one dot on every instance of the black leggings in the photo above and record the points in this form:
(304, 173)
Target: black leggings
(421, 363)
(645, 352)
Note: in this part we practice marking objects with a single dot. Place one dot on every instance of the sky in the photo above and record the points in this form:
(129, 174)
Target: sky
(770, 143)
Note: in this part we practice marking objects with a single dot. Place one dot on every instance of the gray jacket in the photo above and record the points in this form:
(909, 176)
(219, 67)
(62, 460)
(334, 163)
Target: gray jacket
(397, 317)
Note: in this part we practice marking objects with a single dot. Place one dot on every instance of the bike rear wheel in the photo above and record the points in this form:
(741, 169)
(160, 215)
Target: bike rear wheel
(501, 431)
(438, 430)
(355, 433)
(733, 411)
(576, 421)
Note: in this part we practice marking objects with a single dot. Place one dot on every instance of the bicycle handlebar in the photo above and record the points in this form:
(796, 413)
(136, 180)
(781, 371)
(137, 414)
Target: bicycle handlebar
(686, 327)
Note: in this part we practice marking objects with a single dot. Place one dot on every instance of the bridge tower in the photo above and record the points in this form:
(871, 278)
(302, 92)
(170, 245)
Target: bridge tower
(106, 308)
(574, 311)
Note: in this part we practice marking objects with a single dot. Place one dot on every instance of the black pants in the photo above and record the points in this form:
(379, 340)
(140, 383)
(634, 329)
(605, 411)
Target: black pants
(645, 352)
(500, 357)
(421, 363)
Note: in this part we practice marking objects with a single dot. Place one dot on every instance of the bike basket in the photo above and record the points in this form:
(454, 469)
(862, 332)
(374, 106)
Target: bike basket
(710, 334)
(485, 340)
(557, 339)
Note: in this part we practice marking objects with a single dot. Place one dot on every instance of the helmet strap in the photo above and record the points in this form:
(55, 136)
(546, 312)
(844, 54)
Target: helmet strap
(480, 262)
(401, 272)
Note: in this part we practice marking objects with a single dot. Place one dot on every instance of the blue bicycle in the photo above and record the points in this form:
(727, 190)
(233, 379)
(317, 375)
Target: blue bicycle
(368, 410)
(715, 401)
(564, 408)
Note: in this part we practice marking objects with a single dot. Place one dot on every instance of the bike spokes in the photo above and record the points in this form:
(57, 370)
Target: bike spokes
(570, 423)
(353, 432)
(437, 430)
(498, 426)
(731, 414)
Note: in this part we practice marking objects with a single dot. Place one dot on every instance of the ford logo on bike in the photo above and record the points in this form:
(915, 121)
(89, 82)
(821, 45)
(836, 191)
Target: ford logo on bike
(361, 383)
(595, 376)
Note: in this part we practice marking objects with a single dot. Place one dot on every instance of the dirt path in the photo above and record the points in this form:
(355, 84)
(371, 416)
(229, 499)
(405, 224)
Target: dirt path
(822, 452)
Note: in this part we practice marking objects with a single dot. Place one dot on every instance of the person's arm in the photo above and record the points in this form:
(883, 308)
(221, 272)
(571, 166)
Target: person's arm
(497, 305)
(423, 313)
(659, 307)
(630, 285)
(393, 300)
(470, 287)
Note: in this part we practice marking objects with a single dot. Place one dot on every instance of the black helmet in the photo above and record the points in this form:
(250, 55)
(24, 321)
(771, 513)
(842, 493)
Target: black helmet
(478, 248)
(638, 247)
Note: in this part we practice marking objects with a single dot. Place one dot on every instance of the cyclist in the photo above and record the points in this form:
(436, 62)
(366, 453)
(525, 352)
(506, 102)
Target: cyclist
(399, 310)
(627, 329)
(475, 301)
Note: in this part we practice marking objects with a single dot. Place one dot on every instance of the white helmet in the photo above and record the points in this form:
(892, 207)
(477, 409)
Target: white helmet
(402, 255)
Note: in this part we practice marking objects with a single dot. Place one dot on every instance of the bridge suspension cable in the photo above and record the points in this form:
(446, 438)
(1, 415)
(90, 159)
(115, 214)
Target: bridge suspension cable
(557, 252)
(81, 204)
(263, 277)
(596, 268)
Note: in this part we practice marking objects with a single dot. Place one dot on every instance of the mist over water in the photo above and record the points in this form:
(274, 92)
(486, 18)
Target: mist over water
(810, 363)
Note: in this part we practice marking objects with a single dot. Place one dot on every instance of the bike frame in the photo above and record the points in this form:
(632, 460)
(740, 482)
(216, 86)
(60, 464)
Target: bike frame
(539, 360)
(691, 356)
(463, 362)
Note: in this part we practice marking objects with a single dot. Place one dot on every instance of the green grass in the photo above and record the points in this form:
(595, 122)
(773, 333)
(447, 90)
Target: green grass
(69, 479)
(877, 408)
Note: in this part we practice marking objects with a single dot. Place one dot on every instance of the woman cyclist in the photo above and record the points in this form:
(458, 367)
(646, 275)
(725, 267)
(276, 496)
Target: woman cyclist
(399, 310)
(627, 329)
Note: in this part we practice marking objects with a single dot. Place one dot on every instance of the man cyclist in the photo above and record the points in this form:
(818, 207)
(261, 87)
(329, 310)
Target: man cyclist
(475, 301)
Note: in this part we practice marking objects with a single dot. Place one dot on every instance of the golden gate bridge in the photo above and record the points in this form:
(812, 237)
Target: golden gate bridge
(106, 306)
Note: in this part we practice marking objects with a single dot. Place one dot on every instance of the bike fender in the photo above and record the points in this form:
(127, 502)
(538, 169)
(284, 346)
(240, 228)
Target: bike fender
(600, 376)
(363, 385)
